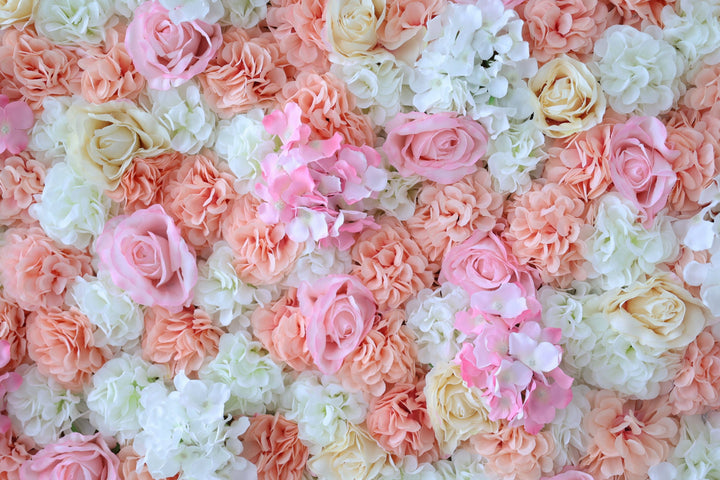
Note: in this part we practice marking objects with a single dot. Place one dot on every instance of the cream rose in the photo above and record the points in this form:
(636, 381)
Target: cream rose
(657, 313)
(569, 97)
(456, 410)
(352, 25)
(105, 138)
(16, 12)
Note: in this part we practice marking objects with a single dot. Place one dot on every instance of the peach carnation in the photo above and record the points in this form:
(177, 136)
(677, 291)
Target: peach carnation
(678, 264)
(37, 68)
(400, 423)
(263, 253)
(271, 443)
(514, 454)
(385, 356)
(128, 470)
(635, 11)
(390, 263)
(403, 28)
(626, 437)
(546, 230)
(198, 197)
(21, 177)
(182, 341)
(14, 452)
(62, 344)
(143, 183)
(327, 107)
(12, 330)
(298, 26)
(35, 271)
(697, 384)
(447, 214)
(281, 329)
(705, 91)
(246, 73)
(109, 74)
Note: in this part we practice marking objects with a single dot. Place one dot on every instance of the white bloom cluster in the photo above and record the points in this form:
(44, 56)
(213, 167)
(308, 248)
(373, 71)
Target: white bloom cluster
(431, 317)
(696, 455)
(208, 11)
(514, 155)
(243, 142)
(693, 27)
(71, 210)
(318, 262)
(567, 428)
(399, 195)
(41, 408)
(245, 13)
(69, 22)
(253, 378)
(463, 465)
(639, 71)
(707, 277)
(47, 138)
(125, 8)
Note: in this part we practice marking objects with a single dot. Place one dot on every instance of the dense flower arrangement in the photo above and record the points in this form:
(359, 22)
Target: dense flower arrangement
(360, 239)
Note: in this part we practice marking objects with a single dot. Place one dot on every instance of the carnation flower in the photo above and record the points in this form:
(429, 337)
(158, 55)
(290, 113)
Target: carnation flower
(514, 156)
(14, 452)
(299, 27)
(245, 13)
(695, 387)
(12, 331)
(243, 143)
(693, 28)
(272, 444)
(143, 184)
(69, 22)
(21, 178)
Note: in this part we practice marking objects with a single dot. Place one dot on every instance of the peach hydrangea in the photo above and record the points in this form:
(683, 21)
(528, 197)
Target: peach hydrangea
(14, 452)
(696, 387)
(21, 178)
(705, 90)
(271, 443)
(143, 183)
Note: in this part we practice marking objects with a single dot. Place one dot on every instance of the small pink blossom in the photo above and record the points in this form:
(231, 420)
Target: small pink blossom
(9, 382)
(16, 118)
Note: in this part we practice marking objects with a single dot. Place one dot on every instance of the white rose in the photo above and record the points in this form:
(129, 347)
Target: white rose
(16, 12)
(352, 25)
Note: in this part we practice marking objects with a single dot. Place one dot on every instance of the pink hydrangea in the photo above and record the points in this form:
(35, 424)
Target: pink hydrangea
(9, 382)
(16, 118)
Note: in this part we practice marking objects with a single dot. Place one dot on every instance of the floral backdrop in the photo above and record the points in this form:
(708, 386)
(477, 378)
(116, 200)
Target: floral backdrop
(359, 239)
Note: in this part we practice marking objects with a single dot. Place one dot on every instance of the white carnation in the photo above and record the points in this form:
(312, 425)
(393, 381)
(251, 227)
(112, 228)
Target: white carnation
(41, 408)
(243, 142)
(318, 262)
(514, 156)
(245, 13)
(69, 22)
(638, 71)
(693, 27)
(399, 195)
(114, 398)
(47, 138)
(697, 455)
(253, 378)
(208, 11)
(71, 210)
(566, 428)
(431, 317)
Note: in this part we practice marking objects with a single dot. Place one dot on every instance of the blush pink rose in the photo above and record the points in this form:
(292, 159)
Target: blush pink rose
(146, 256)
(73, 456)
(641, 164)
(166, 54)
(340, 311)
(441, 147)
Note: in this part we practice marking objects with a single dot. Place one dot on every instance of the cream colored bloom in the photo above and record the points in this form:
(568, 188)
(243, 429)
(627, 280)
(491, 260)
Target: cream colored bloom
(569, 97)
(16, 12)
(352, 25)
(456, 410)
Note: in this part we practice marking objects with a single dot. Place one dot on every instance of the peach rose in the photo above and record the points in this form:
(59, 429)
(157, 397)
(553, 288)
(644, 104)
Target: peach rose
(447, 214)
(696, 387)
(404, 26)
(166, 54)
(181, 340)
(272, 444)
(61, 342)
(73, 456)
(14, 452)
(387, 355)
(35, 272)
(298, 26)
(143, 183)
(391, 264)
(282, 330)
(12, 330)
(705, 90)
(21, 178)
(146, 256)
(129, 460)
(626, 437)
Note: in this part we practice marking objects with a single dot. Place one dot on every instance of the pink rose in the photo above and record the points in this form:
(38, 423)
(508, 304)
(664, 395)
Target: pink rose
(73, 456)
(641, 164)
(440, 147)
(166, 54)
(146, 256)
(340, 311)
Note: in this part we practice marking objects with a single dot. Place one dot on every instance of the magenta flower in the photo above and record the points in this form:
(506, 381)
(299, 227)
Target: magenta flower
(16, 118)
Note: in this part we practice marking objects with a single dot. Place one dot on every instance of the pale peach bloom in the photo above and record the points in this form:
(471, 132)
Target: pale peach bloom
(21, 177)
(327, 107)
(298, 26)
(271, 443)
(400, 423)
(109, 73)
(198, 197)
(626, 437)
(385, 356)
(546, 227)
(711, 125)
(447, 214)
(404, 25)
(635, 11)
(678, 264)
(12, 330)
(281, 329)
(14, 452)
(697, 385)
(35, 271)
(247, 72)
(705, 91)
(143, 183)
(390, 263)
(182, 341)
(263, 253)
(37, 68)
(129, 459)
(514, 454)
(62, 344)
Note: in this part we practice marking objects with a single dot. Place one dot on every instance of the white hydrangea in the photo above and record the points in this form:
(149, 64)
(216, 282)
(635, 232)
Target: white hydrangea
(243, 142)
(245, 13)
(463, 465)
(431, 317)
(621, 249)
(208, 11)
(47, 138)
(399, 195)
(114, 397)
(639, 71)
(566, 428)
(318, 262)
(70, 22)
(322, 408)
(375, 79)
(126, 8)
(253, 378)
(118, 320)
(707, 277)
(185, 115)
(514, 156)
(41, 408)
(71, 210)
(226, 298)
(697, 456)
(693, 27)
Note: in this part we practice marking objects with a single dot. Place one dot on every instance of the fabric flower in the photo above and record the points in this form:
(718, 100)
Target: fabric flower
(75, 454)
(142, 184)
(299, 26)
(21, 178)
(404, 24)
(352, 26)
(695, 387)
(69, 22)
(16, 12)
(272, 444)
(243, 143)
(16, 118)
(12, 331)
(514, 157)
